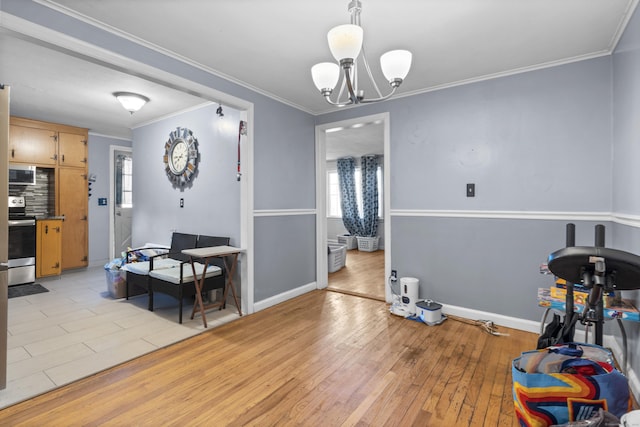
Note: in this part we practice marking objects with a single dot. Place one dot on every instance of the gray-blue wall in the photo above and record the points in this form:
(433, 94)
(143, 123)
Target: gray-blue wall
(626, 153)
(284, 180)
(211, 201)
(535, 144)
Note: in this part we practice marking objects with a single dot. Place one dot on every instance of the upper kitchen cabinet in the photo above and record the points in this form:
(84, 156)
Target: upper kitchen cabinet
(47, 144)
(32, 145)
(72, 150)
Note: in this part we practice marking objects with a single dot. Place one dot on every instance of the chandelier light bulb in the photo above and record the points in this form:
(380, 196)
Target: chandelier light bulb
(395, 64)
(325, 75)
(345, 41)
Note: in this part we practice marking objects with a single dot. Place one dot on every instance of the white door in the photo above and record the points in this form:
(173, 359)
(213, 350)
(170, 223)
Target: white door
(122, 200)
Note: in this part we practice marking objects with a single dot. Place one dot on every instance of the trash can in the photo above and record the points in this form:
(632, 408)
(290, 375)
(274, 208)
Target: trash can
(116, 283)
(116, 279)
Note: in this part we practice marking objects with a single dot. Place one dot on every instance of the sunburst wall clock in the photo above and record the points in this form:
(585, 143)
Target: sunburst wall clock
(181, 157)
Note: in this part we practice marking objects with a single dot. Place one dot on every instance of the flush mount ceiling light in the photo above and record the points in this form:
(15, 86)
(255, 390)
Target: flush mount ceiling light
(346, 44)
(131, 102)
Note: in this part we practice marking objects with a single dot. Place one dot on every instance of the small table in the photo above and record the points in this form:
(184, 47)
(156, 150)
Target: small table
(206, 254)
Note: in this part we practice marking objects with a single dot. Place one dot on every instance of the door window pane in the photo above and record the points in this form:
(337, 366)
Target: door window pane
(124, 182)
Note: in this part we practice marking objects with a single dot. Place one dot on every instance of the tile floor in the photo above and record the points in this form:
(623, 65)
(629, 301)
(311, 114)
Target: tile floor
(76, 329)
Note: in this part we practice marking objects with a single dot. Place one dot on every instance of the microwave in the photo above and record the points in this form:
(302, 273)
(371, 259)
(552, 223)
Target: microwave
(22, 175)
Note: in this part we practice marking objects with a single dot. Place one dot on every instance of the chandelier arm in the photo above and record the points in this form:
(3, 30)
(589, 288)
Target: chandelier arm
(337, 104)
(369, 73)
(382, 98)
(360, 101)
(342, 86)
(347, 78)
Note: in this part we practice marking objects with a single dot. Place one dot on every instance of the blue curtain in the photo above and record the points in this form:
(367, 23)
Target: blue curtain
(348, 198)
(369, 173)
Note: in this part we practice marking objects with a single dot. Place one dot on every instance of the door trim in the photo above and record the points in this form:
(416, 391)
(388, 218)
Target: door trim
(112, 195)
(322, 273)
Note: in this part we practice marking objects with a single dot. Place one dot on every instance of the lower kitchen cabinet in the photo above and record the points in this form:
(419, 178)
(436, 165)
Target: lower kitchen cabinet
(48, 247)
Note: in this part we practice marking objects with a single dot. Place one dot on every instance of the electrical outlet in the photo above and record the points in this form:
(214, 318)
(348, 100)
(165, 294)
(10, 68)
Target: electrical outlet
(182, 203)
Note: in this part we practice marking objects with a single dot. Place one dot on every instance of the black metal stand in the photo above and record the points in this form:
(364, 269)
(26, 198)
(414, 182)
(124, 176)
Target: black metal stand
(599, 270)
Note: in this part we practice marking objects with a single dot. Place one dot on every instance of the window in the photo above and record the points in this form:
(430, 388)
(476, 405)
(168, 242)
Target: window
(124, 182)
(333, 193)
(333, 190)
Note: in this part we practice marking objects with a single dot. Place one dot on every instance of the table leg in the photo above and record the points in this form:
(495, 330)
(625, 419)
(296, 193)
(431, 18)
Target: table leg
(231, 269)
(199, 283)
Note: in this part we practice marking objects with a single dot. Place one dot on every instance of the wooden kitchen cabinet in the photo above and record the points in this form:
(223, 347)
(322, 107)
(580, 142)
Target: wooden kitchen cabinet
(32, 146)
(47, 144)
(64, 150)
(48, 247)
(72, 202)
(72, 150)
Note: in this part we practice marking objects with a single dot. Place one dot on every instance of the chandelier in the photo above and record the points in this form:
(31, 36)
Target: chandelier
(346, 45)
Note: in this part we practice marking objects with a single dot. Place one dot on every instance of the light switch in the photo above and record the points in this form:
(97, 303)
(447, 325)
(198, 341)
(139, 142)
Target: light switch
(471, 190)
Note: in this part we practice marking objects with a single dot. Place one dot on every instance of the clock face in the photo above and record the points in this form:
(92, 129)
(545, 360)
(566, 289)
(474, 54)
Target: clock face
(181, 157)
(178, 157)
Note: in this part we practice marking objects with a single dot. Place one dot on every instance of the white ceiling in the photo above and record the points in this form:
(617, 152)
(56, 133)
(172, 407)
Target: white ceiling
(270, 46)
(356, 140)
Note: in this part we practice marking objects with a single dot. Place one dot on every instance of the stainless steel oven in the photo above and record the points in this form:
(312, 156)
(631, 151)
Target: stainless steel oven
(21, 244)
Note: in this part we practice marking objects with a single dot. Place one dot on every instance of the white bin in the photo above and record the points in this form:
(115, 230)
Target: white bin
(348, 240)
(337, 257)
(368, 244)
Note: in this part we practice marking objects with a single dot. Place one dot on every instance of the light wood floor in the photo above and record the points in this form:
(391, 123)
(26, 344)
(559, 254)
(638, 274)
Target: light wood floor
(362, 275)
(322, 359)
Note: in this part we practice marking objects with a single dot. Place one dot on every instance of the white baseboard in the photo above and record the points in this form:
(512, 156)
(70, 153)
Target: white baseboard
(277, 299)
(498, 319)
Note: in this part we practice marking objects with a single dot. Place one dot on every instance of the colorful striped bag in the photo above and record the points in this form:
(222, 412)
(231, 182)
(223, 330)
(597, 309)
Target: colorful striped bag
(567, 382)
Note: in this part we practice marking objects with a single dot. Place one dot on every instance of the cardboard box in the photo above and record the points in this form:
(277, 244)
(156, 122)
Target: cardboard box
(624, 309)
(580, 296)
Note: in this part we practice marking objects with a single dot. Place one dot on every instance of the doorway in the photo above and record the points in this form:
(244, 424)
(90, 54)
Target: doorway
(121, 195)
(364, 272)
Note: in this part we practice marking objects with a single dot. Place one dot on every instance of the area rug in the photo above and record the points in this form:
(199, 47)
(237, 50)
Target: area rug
(26, 289)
